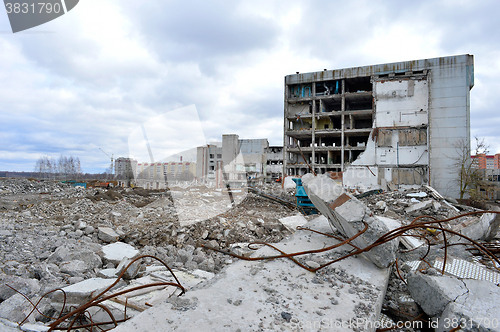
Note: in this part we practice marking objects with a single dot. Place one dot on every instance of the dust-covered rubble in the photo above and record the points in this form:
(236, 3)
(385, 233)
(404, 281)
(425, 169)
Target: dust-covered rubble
(53, 236)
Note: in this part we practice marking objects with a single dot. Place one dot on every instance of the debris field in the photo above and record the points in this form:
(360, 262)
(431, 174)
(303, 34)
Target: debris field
(157, 247)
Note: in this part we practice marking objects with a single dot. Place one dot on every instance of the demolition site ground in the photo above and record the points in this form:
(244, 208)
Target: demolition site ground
(54, 236)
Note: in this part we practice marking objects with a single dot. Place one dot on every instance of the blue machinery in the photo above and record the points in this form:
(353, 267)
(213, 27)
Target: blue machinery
(303, 201)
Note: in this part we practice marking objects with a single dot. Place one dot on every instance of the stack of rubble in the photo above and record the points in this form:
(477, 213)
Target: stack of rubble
(418, 287)
(53, 235)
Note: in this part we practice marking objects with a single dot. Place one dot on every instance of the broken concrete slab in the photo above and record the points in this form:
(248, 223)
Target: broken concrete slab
(420, 194)
(107, 234)
(410, 242)
(115, 252)
(107, 273)
(16, 308)
(472, 303)
(477, 309)
(433, 293)
(483, 228)
(278, 294)
(479, 229)
(291, 223)
(131, 272)
(26, 286)
(80, 293)
(419, 206)
(348, 215)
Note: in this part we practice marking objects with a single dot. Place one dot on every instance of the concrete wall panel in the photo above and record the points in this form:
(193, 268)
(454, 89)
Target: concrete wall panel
(394, 106)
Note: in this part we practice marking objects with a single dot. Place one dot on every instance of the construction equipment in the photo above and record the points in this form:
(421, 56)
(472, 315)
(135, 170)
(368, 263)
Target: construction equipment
(111, 166)
(303, 201)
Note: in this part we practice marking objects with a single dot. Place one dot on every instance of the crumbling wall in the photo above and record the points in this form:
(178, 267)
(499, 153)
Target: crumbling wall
(397, 151)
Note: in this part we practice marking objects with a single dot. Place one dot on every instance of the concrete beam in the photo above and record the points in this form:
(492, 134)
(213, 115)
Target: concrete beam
(349, 215)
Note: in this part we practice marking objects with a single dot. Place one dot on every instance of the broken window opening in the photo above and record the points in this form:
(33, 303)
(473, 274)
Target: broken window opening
(358, 84)
(330, 105)
(360, 122)
(336, 122)
(328, 88)
(358, 105)
(300, 90)
(358, 141)
(330, 141)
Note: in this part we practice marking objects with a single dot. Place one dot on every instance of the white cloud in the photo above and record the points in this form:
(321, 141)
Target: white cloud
(111, 65)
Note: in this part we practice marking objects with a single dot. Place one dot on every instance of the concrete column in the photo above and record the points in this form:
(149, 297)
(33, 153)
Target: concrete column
(313, 136)
(342, 109)
(285, 136)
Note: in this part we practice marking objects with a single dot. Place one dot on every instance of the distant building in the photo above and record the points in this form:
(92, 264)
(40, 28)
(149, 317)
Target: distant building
(489, 172)
(206, 160)
(158, 175)
(379, 126)
(234, 161)
(485, 161)
(124, 166)
(274, 167)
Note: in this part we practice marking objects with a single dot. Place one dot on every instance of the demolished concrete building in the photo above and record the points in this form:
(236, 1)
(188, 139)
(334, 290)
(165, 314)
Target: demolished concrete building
(396, 123)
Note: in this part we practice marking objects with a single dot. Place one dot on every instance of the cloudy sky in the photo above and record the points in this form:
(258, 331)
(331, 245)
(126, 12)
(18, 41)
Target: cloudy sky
(110, 70)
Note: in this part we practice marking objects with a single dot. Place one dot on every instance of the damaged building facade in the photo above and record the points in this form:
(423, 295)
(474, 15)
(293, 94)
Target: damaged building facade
(274, 165)
(383, 125)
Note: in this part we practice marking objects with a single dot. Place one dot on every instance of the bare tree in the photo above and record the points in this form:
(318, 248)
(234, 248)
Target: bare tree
(64, 167)
(470, 176)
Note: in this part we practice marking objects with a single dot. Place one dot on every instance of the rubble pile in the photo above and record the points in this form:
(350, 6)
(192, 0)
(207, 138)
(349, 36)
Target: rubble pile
(25, 186)
(53, 235)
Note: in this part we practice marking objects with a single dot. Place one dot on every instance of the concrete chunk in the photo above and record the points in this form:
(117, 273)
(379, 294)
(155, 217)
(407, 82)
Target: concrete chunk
(116, 252)
(107, 273)
(292, 222)
(131, 272)
(107, 234)
(74, 268)
(472, 303)
(28, 287)
(433, 293)
(479, 308)
(84, 252)
(78, 294)
(483, 228)
(419, 206)
(347, 214)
